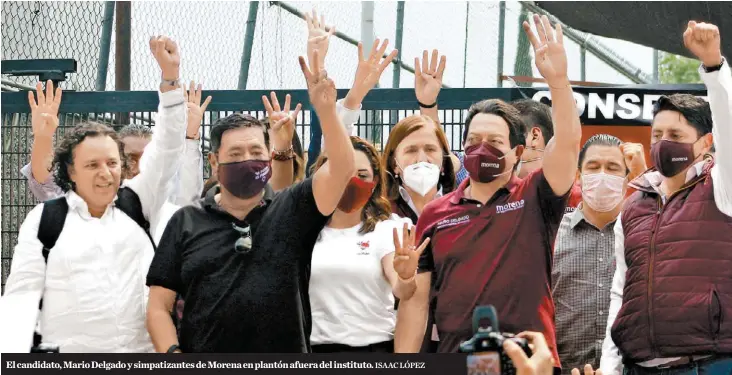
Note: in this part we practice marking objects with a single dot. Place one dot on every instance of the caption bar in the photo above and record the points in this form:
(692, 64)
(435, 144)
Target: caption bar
(272, 364)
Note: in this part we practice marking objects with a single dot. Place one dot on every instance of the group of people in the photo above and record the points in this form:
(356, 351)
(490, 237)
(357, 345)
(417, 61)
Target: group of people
(586, 252)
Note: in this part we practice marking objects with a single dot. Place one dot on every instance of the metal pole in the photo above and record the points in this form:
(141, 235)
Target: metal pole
(583, 62)
(246, 54)
(123, 51)
(367, 38)
(398, 44)
(104, 43)
(656, 57)
(501, 40)
(465, 47)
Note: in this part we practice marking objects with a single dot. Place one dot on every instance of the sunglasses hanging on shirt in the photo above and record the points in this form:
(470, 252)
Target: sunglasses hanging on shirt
(243, 245)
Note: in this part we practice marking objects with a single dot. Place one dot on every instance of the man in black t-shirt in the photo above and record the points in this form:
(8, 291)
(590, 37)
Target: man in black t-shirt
(241, 259)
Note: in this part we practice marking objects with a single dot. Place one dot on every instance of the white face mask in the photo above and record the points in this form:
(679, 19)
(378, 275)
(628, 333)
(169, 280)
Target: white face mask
(421, 177)
(602, 192)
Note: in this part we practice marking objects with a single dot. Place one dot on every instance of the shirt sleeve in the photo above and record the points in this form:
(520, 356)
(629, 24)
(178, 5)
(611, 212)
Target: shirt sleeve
(306, 209)
(386, 234)
(190, 176)
(162, 157)
(165, 269)
(28, 269)
(611, 362)
(719, 91)
(349, 118)
(425, 229)
(42, 191)
(552, 205)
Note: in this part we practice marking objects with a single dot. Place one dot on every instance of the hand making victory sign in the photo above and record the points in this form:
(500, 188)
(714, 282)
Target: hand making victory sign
(703, 40)
(406, 254)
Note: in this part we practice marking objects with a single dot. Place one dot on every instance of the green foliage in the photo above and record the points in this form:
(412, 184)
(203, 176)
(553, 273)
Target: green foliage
(678, 69)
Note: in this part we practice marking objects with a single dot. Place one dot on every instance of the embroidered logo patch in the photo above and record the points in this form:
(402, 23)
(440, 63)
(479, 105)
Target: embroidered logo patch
(510, 206)
(453, 222)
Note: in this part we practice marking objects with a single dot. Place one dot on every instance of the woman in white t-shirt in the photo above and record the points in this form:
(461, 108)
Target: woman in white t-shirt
(362, 259)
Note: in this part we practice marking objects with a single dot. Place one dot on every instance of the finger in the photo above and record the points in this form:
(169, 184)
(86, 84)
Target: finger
(316, 62)
(39, 94)
(397, 242)
(412, 232)
(560, 34)
(280, 123)
(153, 44)
(433, 62)
(322, 21)
(206, 103)
(199, 92)
(360, 52)
(575, 371)
(517, 355)
(275, 102)
(373, 56)
(286, 109)
(191, 92)
(387, 61)
(267, 106)
(530, 34)
(298, 108)
(425, 68)
(57, 97)
(540, 29)
(308, 22)
(417, 69)
(49, 91)
(405, 236)
(588, 370)
(441, 67)
(305, 70)
(332, 31)
(32, 101)
(382, 50)
(423, 246)
(548, 28)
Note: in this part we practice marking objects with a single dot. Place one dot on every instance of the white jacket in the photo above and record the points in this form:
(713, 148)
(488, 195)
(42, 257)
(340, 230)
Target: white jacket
(93, 287)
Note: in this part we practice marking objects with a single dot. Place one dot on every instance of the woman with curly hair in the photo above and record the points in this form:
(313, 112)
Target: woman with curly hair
(358, 264)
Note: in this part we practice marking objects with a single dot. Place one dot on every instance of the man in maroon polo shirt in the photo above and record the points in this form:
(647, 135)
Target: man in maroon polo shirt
(491, 239)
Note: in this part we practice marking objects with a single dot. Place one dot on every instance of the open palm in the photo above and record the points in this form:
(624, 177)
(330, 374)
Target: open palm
(406, 255)
(44, 110)
(549, 53)
(428, 77)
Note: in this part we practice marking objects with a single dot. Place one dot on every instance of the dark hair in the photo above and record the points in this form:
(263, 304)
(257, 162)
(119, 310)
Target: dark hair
(696, 111)
(135, 130)
(402, 130)
(231, 122)
(535, 113)
(64, 153)
(208, 185)
(298, 167)
(599, 140)
(377, 208)
(509, 113)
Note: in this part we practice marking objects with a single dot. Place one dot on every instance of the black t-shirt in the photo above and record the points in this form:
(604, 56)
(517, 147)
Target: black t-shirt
(242, 303)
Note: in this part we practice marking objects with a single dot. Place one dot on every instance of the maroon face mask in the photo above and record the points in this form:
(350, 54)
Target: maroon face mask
(356, 195)
(245, 179)
(671, 158)
(484, 162)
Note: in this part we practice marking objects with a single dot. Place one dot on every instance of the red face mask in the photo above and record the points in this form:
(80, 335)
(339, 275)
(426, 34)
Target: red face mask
(484, 162)
(671, 158)
(356, 195)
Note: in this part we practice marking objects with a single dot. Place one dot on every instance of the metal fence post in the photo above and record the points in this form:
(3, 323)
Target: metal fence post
(398, 44)
(104, 44)
(501, 40)
(123, 53)
(583, 63)
(246, 54)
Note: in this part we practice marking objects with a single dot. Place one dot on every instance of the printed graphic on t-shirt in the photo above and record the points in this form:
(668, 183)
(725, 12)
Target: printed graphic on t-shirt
(364, 246)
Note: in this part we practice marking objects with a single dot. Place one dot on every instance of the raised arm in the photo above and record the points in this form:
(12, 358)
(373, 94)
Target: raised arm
(44, 122)
(281, 129)
(703, 40)
(562, 152)
(331, 179)
(428, 83)
(162, 157)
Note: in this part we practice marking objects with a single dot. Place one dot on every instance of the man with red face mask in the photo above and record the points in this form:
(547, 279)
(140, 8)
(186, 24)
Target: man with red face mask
(491, 238)
(241, 258)
(671, 297)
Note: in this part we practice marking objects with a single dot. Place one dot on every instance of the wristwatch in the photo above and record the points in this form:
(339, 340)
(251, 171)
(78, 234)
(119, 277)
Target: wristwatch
(166, 82)
(284, 155)
(710, 69)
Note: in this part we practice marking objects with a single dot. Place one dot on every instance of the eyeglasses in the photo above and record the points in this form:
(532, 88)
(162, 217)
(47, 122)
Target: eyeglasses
(243, 245)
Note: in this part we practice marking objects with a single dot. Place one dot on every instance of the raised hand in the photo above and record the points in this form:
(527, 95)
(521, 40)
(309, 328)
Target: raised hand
(428, 77)
(368, 72)
(44, 111)
(281, 120)
(318, 36)
(703, 40)
(541, 361)
(588, 371)
(167, 55)
(406, 254)
(321, 89)
(195, 110)
(635, 158)
(549, 53)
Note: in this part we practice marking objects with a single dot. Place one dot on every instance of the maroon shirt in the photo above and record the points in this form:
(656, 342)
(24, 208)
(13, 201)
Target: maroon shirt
(498, 254)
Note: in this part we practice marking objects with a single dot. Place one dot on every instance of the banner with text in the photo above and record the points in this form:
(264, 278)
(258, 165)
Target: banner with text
(353, 363)
(610, 105)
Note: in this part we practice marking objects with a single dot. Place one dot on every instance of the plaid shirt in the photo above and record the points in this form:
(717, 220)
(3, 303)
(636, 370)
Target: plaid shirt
(581, 279)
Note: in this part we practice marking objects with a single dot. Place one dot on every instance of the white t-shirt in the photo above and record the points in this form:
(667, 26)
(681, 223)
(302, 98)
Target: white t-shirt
(350, 298)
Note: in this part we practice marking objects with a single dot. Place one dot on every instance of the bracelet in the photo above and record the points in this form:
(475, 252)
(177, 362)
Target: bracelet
(173, 348)
(284, 155)
(433, 105)
(195, 137)
(711, 69)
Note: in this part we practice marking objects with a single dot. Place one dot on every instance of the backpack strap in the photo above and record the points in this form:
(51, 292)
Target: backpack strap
(52, 222)
(129, 202)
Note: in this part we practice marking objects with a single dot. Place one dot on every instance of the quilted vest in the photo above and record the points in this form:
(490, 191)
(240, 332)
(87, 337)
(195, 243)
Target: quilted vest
(677, 299)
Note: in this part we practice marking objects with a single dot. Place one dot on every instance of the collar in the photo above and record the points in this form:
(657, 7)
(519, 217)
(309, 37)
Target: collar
(652, 178)
(459, 193)
(209, 202)
(407, 198)
(578, 216)
(76, 202)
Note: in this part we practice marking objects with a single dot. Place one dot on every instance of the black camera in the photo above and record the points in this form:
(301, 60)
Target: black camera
(486, 346)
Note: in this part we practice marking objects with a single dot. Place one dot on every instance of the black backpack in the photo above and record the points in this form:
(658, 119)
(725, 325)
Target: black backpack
(53, 218)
